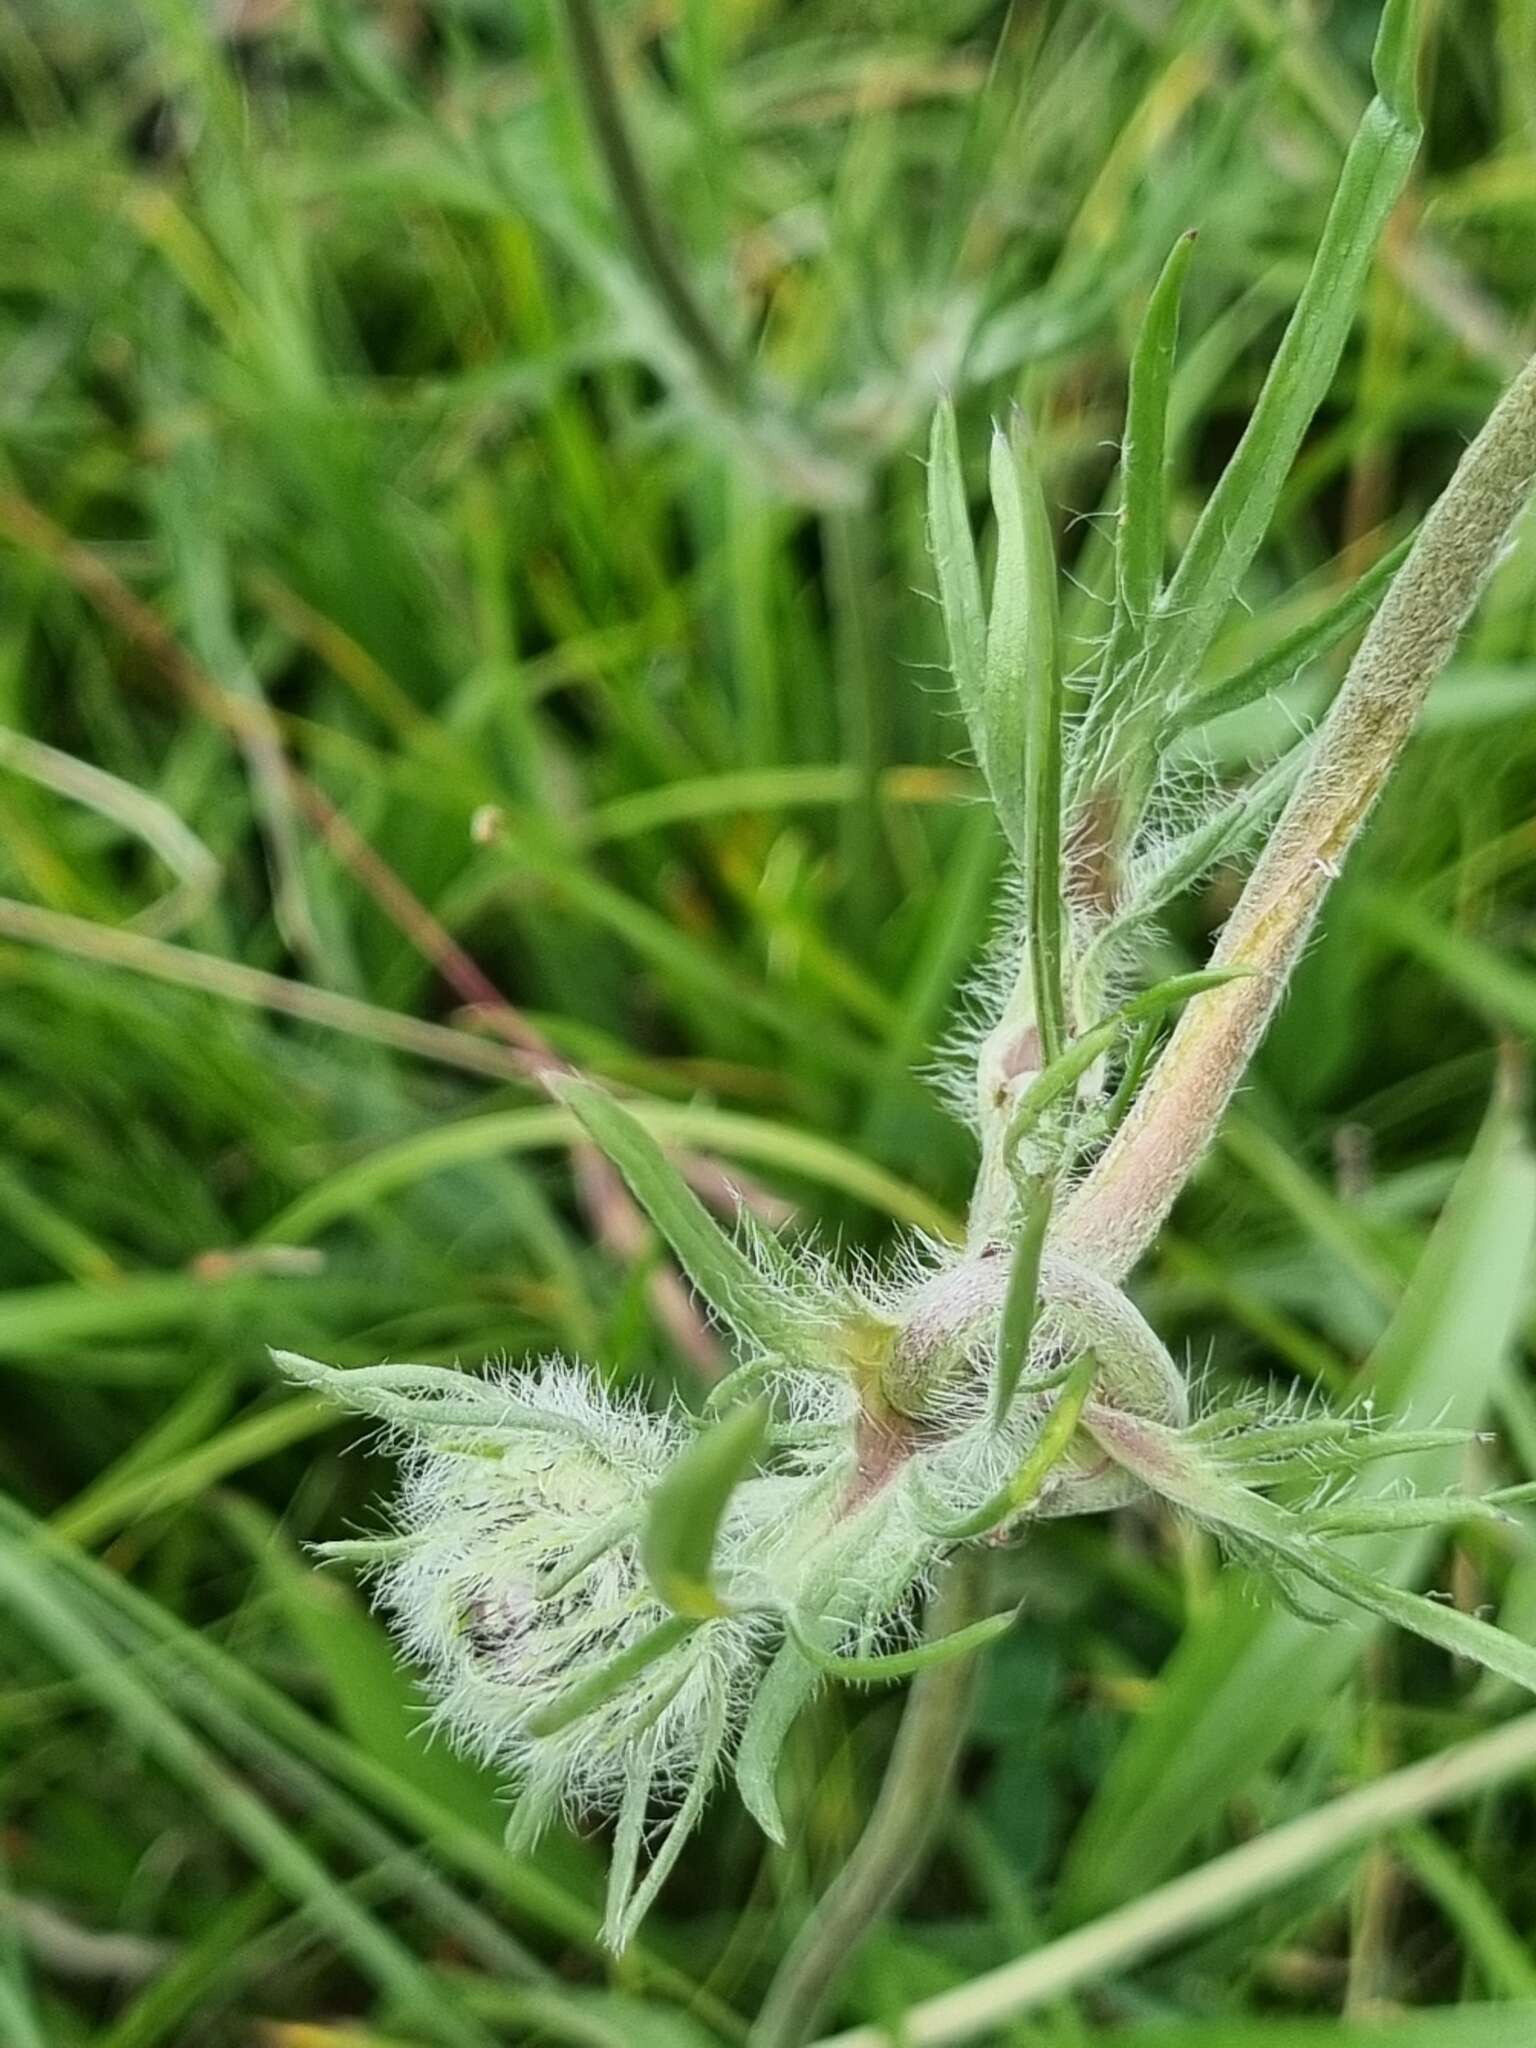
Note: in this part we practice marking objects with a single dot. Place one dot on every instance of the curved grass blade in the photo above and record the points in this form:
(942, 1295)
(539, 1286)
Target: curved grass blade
(40, 1601)
(256, 1715)
(513, 1132)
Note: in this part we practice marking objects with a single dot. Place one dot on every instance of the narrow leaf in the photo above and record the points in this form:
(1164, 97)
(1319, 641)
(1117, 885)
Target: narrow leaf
(786, 1687)
(1023, 1488)
(1023, 713)
(1143, 462)
(877, 1670)
(1463, 1635)
(1021, 1304)
(1416, 1511)
(683, 1824)
(718, 1268)
(628, 1839)
(1395, 60)
(601, 1685)
(1286, 660)
(1182, 863)
(953, 548)
(598, 1542)
(418, 1396)
(687, 1507)
(1080, 1055)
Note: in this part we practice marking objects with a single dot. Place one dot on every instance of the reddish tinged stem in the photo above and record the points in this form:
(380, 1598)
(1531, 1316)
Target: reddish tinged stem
(1120, 1207)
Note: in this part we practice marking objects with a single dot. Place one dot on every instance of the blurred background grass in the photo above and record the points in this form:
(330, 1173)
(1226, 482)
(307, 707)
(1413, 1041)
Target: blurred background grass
(465, 602)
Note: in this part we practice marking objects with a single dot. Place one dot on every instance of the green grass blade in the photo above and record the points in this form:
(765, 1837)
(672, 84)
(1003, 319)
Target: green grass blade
(1497, 987)
(220, 1676)
(40, 1601)
(409, 1160)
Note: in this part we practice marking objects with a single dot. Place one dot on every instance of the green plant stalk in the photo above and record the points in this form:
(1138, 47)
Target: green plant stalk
(904, 1820)
(1121, 1205)
(636, 203)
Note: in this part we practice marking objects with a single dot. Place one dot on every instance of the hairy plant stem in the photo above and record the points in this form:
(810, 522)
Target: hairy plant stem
(900, 1827)
(1121, 1205)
